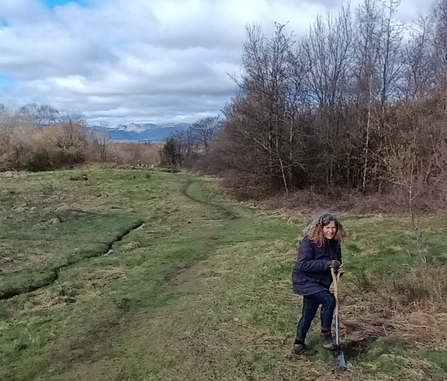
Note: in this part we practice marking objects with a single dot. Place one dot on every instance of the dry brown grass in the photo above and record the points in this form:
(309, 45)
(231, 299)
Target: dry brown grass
(393, 201)
(410, 308)
(11, 174)
(422, 288)
(421, 329)
(133, 154)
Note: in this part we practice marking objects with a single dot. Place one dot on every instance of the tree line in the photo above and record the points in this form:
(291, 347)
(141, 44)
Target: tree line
(40, 138)
(359, 102)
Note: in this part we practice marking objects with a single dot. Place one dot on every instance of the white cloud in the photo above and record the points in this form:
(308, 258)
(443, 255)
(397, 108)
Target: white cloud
(142, 61)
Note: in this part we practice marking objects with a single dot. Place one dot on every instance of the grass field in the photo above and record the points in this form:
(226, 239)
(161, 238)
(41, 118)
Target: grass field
(148, 275)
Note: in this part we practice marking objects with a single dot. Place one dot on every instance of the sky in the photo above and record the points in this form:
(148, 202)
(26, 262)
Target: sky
(139, 61)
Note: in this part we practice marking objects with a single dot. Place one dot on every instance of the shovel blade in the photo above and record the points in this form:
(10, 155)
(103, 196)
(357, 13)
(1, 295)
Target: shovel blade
(340, 363)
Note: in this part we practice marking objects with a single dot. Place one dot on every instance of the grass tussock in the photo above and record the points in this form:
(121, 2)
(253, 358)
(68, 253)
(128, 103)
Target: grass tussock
(419, 288)
(409, 307)
(422, 288)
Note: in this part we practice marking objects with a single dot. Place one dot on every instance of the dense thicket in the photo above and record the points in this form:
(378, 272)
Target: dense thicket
(359, 102)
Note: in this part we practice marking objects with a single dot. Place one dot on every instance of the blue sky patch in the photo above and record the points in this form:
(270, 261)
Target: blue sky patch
(54, 3)
(5, 81)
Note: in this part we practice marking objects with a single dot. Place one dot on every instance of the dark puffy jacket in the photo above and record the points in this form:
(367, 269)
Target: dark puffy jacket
(312, 273)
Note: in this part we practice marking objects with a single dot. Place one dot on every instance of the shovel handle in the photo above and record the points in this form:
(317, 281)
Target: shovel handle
(340, 362)
(335, 279)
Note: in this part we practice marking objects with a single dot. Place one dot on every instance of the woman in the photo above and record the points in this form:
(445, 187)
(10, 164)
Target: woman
(319, 251)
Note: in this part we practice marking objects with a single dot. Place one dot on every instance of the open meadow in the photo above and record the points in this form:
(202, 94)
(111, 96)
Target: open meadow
(120, 274)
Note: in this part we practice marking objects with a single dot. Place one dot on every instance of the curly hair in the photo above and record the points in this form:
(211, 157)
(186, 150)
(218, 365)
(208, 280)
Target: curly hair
(315, 230)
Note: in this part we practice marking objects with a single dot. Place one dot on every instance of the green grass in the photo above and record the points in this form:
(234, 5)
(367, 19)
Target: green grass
(201, 291)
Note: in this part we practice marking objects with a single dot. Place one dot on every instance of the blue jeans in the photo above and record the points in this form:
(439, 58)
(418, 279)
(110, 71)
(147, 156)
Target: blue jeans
(310, 307)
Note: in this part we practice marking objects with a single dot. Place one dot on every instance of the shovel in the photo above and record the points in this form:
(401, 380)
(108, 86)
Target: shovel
(339, 357)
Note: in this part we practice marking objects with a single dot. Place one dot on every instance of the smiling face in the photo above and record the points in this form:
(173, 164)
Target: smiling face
(330, 230)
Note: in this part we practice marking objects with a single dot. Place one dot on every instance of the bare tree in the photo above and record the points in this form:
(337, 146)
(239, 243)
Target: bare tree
(75, 117)
(380, 63)
(40, 116)
(265, 85)
(328, 48)
(205, 129)
(440, 37)
(420, 71)
(47, 115)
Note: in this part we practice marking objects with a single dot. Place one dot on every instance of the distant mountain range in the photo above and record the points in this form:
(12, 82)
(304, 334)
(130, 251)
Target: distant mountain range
(140, 133)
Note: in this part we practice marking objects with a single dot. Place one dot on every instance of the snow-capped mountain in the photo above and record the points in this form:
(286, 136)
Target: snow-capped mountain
(148, 132)
(133, 127)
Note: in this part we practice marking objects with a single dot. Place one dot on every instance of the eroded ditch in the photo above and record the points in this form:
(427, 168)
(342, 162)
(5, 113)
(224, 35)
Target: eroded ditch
(54, 273)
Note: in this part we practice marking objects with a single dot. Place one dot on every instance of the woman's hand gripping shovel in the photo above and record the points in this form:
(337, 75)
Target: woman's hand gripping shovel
(339, 357)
